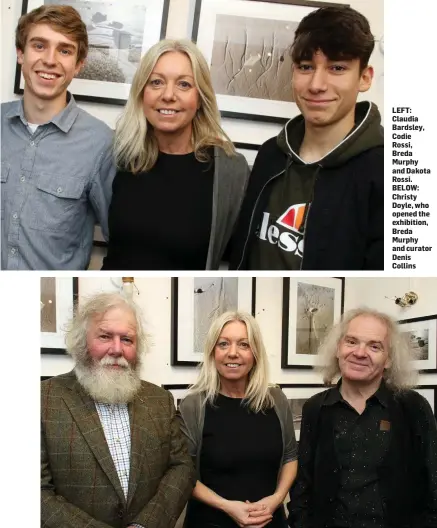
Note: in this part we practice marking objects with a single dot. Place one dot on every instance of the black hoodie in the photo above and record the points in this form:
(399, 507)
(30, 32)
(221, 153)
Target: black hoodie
(330, 210)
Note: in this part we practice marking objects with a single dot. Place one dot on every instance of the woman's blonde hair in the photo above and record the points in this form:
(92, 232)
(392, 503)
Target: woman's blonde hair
(400, 375)
(135, 145)
(257, 395)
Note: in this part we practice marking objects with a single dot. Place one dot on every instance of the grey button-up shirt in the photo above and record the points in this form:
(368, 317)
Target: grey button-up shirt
(55, 185)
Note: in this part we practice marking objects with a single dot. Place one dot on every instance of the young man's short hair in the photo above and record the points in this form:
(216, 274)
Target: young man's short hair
(61, 18)
(340, 33)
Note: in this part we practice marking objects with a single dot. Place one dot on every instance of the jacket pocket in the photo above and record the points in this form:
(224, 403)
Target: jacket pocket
(58, 203)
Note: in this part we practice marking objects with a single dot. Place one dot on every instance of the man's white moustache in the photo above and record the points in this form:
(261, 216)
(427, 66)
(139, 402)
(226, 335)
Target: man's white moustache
(121, 362)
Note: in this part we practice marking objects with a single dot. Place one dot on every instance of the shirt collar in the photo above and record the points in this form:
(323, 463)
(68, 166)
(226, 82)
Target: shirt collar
(17, 110)
(111, 407)
(334, 395)
(64, 120)
(382, 394)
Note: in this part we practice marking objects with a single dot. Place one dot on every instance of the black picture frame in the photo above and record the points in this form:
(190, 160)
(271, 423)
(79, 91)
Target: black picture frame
(303, 3)
(426, 366)
(249, 151)
(177, 390)
(184, 358)
(286, 330)
(58, 350)
(248, 146)
(237, 113)
(77, 87)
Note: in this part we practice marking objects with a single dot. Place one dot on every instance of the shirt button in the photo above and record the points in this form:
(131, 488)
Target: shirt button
(59, 190)
(117, 440)
(22, 178)
(15, 216)
(32, 143)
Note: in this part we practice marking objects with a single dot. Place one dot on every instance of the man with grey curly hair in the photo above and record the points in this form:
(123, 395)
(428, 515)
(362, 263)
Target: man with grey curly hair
(112, 454)
(368, 446)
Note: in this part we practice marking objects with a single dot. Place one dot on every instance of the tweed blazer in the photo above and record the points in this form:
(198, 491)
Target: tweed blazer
(79, 483)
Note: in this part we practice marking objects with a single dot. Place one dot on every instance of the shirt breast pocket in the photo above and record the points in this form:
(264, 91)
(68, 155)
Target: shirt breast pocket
(4, 174)
(58, 203)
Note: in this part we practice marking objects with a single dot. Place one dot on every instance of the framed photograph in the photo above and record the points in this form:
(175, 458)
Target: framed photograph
(429, 392)
(297, 395)
(196, 302)
(119, 33)
(247, 47)
(310, 307)
(178, 391)
(422, 334)
(249, 151)
(58, 295)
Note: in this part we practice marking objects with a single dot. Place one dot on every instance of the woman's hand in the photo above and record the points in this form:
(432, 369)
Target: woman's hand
(247, 514)
(270, 503)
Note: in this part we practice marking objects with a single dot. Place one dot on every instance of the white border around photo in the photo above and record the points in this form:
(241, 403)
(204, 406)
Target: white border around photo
(420, 323)
(205, 28)
(64, 311)
(290, 358)
(183, 353)
(155, 17)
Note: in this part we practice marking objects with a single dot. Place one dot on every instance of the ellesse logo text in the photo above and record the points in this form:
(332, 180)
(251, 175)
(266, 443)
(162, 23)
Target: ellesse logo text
(286, 240)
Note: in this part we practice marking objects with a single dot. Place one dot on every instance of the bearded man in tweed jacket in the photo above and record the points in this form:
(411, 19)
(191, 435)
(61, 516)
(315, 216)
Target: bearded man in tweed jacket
(112, 454)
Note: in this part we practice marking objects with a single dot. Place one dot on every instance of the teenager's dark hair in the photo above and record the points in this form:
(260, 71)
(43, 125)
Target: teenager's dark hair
(341, 33)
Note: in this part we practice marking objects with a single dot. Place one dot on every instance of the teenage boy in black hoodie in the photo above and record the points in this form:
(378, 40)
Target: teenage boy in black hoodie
(315, 195)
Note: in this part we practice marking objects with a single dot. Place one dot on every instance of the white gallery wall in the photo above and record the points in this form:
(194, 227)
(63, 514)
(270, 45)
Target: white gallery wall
(155, 302)
(179, 25)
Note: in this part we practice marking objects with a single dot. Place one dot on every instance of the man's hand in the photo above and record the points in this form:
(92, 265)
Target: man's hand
(243, 513)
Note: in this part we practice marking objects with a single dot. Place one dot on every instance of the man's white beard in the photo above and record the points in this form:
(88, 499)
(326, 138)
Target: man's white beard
(109, 385)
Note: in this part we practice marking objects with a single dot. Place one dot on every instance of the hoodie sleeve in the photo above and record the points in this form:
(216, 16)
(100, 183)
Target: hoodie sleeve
(374, 254)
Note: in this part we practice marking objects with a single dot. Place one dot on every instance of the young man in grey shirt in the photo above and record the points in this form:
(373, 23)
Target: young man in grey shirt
(57, 166)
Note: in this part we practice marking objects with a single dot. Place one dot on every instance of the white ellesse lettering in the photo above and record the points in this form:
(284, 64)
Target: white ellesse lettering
(286, 240)
(273, 234)
(264, 225)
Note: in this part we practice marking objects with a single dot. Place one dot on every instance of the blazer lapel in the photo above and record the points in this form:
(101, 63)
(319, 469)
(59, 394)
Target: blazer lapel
(84, 412)
(142, 428)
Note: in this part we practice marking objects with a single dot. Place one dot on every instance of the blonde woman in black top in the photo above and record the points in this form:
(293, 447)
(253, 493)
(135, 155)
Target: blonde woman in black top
(180, 182)
(239, 431)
